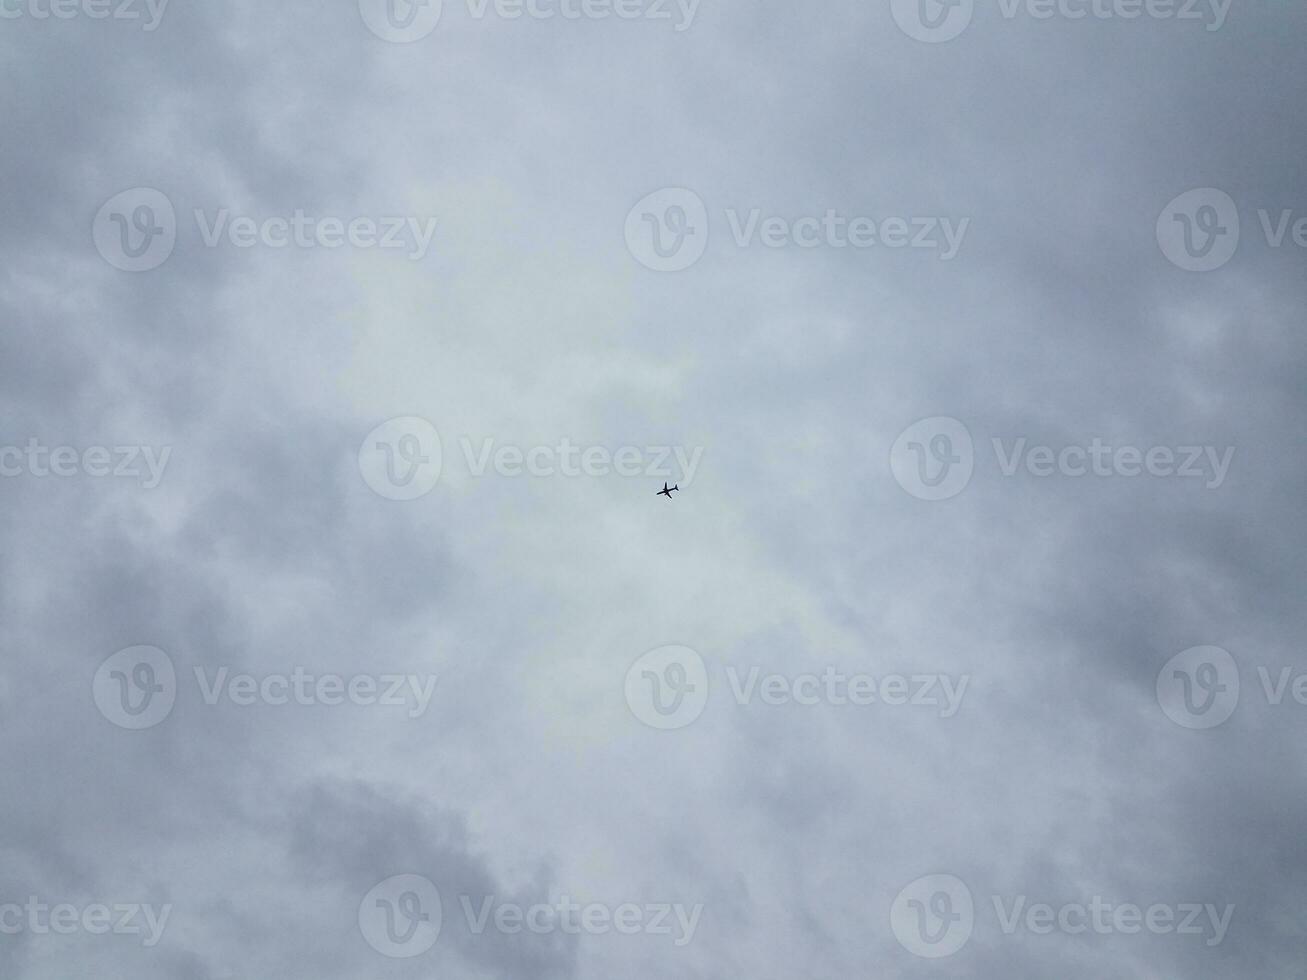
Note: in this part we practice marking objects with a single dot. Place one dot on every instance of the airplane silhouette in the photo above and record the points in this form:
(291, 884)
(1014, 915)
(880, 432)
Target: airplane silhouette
(665, 492)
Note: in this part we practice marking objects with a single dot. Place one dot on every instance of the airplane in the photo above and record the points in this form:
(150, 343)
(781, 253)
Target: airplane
(665, 492)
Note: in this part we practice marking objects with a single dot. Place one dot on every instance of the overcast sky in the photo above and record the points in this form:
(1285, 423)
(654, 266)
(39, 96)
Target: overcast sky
(344, 346)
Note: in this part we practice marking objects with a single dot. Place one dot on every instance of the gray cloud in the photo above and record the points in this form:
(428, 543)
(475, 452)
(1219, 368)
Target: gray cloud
(529, 321)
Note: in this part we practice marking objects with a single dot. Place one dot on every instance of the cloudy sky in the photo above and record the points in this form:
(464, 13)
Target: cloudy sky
(344, 346)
